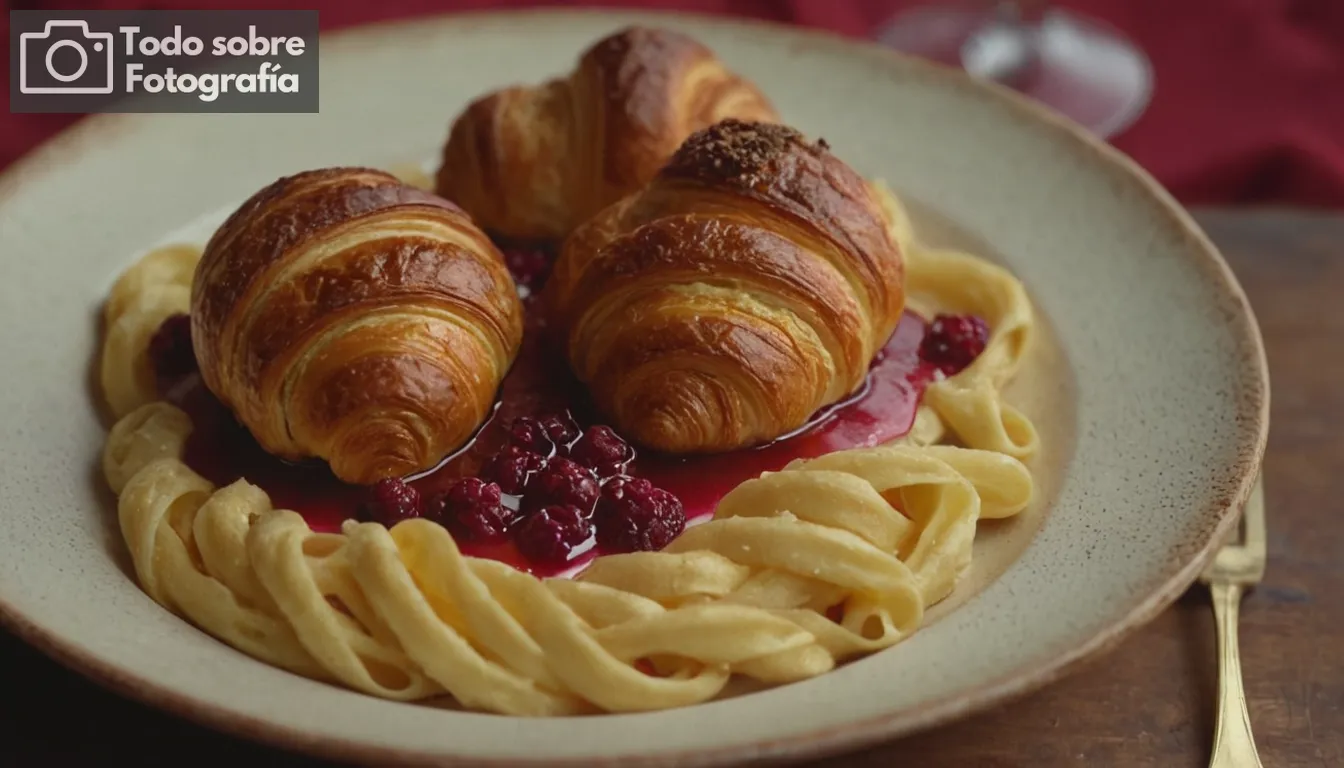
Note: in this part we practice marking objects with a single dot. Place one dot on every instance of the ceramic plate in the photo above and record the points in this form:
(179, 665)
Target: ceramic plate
(1149, 386)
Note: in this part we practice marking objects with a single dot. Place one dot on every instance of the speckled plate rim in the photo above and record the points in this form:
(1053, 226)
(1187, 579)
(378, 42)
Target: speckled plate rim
(1220, 513)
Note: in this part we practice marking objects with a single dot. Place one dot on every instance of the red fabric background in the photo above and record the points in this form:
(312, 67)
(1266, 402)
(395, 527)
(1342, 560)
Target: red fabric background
(1248, 105)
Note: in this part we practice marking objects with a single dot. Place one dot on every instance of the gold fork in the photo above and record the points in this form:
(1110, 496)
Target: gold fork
(1237, 566)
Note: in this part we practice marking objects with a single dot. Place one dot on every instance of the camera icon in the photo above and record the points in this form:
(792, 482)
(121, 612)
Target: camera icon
(37, 52)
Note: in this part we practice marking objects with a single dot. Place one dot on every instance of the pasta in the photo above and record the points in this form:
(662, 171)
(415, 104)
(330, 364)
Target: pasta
(799, 570)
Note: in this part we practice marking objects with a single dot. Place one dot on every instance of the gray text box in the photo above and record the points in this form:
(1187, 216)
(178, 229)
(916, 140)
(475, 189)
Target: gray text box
(163, 61)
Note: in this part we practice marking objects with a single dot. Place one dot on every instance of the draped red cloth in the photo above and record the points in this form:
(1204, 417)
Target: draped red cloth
(1248, 106)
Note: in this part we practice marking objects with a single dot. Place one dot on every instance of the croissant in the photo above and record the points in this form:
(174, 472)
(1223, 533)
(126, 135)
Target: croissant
(344, 315)
(747, 286)
(532, 163)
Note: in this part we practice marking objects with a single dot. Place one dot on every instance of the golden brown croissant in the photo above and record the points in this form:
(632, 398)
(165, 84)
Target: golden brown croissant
(534, 162)
(345, 315)
(749, 284)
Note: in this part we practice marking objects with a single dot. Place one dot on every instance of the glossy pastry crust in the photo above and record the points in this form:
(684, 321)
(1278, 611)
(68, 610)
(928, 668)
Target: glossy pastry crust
(747, 286)
(344, 315)
(534, 162)
(798, 571)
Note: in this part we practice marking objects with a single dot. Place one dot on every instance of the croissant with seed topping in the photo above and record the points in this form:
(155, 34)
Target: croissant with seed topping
(534, 162)
(748, 285)
(344, 315)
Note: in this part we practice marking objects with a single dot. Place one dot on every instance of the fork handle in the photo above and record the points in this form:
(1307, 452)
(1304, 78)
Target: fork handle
(1233, 745)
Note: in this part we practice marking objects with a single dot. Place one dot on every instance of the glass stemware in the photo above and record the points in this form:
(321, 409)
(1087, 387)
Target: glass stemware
(1076, 65)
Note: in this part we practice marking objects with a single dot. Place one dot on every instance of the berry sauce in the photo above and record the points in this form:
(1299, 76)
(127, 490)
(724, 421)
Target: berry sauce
(539, 385)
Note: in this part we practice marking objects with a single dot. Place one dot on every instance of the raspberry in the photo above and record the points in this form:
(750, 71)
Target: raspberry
(390, 501)
(529, 266)
(511, 468)
(633, 516)
(171, 351)
(952, 342)
(551, 535)
(561, 482)
(561, 429)
(530, 435)
(601, 448)
(471, 511)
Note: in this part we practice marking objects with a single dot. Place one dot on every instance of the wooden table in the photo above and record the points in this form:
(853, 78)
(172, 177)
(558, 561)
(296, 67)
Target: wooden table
(1150, 702)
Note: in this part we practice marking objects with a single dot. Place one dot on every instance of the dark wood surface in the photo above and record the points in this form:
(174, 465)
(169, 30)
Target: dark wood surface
(1148, 703)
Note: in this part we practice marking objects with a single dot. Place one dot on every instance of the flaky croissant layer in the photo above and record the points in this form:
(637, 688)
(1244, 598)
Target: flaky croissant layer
(747, 286)
(344, 315)
(534, 162)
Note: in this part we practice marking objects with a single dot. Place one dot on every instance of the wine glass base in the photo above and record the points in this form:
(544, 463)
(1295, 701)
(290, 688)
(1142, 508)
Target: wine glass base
(1084, 69)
